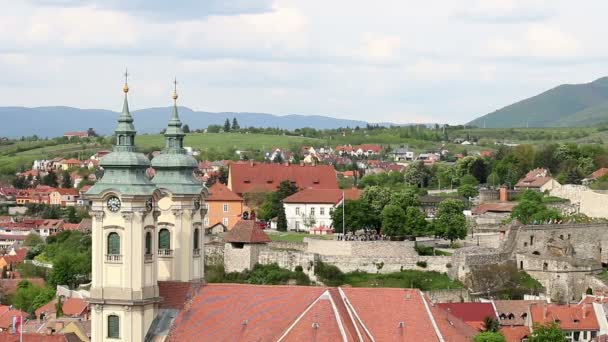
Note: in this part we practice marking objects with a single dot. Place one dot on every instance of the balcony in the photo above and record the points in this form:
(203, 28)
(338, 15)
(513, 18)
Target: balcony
(165, 253)
(114, 258)
(148, 257)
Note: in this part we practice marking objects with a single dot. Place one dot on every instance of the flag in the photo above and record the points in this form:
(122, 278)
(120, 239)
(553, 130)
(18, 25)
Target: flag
(341, 200)
(17, 320)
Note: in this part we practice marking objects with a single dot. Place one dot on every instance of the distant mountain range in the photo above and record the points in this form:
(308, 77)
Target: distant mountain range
(54, 121)
(564, 106)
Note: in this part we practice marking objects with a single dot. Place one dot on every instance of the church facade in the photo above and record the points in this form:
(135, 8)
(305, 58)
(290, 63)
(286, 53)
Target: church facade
(144, 230)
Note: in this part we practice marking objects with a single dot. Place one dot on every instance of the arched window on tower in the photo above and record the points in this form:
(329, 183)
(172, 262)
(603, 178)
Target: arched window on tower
(113, 248)
(164, 242)
(148, 246)
(113, 326)
(196, 245)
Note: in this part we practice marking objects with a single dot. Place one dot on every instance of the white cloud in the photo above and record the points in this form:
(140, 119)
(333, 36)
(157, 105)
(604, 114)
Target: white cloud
(537, 41)
(506, 11)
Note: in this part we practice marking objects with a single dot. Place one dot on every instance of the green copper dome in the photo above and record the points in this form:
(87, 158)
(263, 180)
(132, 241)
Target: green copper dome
(124, 168)
(174, 167)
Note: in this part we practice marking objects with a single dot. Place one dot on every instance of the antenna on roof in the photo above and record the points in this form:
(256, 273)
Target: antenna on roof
(316, 325)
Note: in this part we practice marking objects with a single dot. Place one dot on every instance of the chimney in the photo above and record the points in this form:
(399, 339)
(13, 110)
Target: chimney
(584, 310)
(251, 162)
(503, 194)
(301, 163)
(50, 331)
(544, 310)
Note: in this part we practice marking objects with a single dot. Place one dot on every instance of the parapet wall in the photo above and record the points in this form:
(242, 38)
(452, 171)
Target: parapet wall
(374, 249)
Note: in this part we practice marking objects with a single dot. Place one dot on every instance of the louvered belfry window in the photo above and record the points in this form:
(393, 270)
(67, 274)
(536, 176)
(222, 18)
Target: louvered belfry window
(113, 244)
(113, 326)
(196, 238)
(164, 239)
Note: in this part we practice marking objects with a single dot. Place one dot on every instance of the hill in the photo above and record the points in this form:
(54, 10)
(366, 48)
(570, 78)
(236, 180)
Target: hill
(563, 106)
(54, 121)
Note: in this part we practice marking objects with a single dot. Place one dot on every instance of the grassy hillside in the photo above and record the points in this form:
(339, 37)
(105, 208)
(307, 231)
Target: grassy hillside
(565, 105)
(222, 141)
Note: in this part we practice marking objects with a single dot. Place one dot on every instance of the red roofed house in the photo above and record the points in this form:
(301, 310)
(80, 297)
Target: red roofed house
(223, 206)
(472, 314)
(301, 313)
(12, 259)
(64, 197)
(70, 163)
(6, 317)
(243, 244)
(579, 322)
(366, 150)
(599, 173)
(75, 307)
(256, 177)
(311, 208)
(538, 179)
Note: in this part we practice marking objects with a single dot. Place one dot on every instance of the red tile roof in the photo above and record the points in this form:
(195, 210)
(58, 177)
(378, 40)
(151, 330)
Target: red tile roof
(246, 231)
(368, 147)
(471, 313)
(67, 191)
(238, 312)
(6, 320)
(220, 192)
(599, 173)
(534, 179)
(255, 177)
(175, 293)
(18, 257)
(71, 226)
(31, 337)
(74, 307)
(515, 333)
(332, 196)
(569, 317)
(493, 207)
(517, 308)
(47, 308)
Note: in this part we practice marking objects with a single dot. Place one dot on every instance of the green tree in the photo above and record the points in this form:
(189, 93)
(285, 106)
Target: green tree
(73, 215)
(393, 219)
(66, 181)
(488, 336)
(493, 179)
(490, 324)
(417, 174)
(281, 220)
(50, 179)
(30, 297)
(531, 209)
(451, 223)
(468, 191)
(70, 269)
(550, 332)
(468, 179)
(356, 216)
(416, 223)
(235, 124)
(186, 128)
(227, 125)
(32, 240)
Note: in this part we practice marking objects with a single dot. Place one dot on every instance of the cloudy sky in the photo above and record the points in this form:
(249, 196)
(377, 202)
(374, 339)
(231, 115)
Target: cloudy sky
(400, 61)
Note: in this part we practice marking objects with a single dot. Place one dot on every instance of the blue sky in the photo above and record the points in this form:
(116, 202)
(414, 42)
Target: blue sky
(400, 61)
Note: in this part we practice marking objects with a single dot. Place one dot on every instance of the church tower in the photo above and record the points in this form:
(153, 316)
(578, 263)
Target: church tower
(179, 228)
(124, 292)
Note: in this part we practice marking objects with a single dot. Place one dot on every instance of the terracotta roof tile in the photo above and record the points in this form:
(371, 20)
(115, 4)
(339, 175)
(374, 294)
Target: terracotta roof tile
(254, 177)
(515, 333)
(599, 173)
(515, 307)
(246, 231)
(494, 207)
(471, 313)
(74, 306)
(175, 293)
(333, 196)
(220, 192)
(319, 323)
(452, 328)
(569, 317)
(30, 337)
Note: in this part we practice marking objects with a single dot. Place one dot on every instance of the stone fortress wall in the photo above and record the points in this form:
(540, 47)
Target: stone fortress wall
(366, 256)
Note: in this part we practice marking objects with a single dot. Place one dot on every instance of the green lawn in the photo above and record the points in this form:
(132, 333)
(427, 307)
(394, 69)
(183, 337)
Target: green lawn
(296, 237)
(404, 279)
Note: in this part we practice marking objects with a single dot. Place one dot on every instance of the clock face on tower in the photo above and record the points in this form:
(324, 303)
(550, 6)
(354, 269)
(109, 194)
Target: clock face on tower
(113, 204)
(149, 204)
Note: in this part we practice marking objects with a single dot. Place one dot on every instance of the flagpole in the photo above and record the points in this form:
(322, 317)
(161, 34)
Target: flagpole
(21, 328)
(343, 208)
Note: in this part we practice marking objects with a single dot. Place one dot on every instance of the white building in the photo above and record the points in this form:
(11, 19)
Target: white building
(312, 208)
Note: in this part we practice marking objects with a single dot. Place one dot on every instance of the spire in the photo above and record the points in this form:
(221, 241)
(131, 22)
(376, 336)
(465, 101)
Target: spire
(174, 136)
(125, 131)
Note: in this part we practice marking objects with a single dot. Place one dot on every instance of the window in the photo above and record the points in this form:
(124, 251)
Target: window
(164, 239)
(297, 210)
(113, 244)
(148, 243)
(225, 207)
(113, 326)
(322, 211)
(225, 221)
(297, 225)
(196, 239)
(206, 221)
(312, 211)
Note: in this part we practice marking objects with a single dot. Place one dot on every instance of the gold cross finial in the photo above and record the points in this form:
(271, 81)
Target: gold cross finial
(125, 89)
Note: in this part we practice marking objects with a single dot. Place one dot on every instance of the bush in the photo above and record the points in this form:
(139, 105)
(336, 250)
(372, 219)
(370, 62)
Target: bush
(421, 264)
(299, 269)
(329, 274)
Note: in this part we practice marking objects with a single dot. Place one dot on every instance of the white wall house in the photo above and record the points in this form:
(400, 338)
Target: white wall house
(312, 208)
